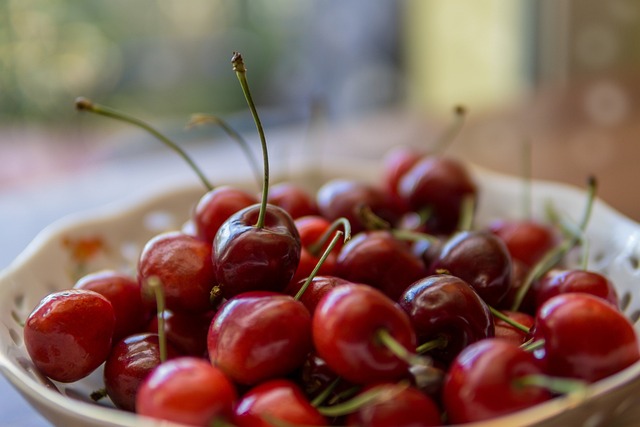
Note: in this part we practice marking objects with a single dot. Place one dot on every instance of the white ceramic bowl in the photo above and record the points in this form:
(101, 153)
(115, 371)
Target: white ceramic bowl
(112, 238)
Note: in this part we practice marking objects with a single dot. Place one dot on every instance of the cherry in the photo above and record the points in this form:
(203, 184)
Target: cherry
(558, 281)
(483, 382)
(396, 405)
(446, 308)
(316, 289)
(480, 259)
(312, 230)
(585, 337)
(378, 259)
(395, 163)
(69, 334)
(216, 206)
(129, 363)
(508, 331)
(187, 390)
(186, 331)
(346, 334)
(279, 400)
(526, 240)
(182, 264)
(123, 292)
(257, 336)
(293, 198)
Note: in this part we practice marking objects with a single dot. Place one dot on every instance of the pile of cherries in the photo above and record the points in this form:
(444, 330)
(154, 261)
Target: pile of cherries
(370, 304)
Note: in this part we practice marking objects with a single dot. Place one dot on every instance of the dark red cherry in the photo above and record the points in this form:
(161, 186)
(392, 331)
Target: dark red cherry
(479, 258)
(280, 400)
(526, 240)
(257, 336)
(131, 360)
(186, 331)
(378, 259)
(482, 383)
(123, 292)
(585, 337)
(187, 390)
(216, 206)
(69, 334)
(446, 307)
(292, 198)
(346, 327)
(395, 163)
(558, 281)
(249, 258)
(182, 264)
(438, 184)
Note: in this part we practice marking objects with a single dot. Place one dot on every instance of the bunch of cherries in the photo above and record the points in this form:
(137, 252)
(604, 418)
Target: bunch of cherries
(265, 312)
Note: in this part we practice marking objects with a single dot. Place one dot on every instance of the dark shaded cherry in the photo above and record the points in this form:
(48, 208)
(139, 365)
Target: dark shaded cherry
(292, 198)
(318, 287)
(480, 259)
(216, 206)
(69, 334)
(257, 336)
(446, 307)
(519, 273)
(280, 400)
(397, 406)
(585, 337)
(438, 184)
(395, 163)
(248, 258)
(557, 281)
(346, 327)
(131, 360)
(526, 240)
(182, 264)
(186, 331)
(378, 259)
(123, 292)
(508, 332)
(187, 390)
(482, 383)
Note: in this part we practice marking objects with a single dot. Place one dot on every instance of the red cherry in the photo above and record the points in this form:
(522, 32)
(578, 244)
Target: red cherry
(277, 399)
(312, 228)
(482, 382)
(556, 282)
(187, 332)
(508, 332)
(293, 199)
(346, 325)
(395, 163)
(585, 337)
(526, 240)
(257, 336)
(68, 335)
(318, 287)
(123, 292)
(182, 264)
(216, 206)
(187, 390)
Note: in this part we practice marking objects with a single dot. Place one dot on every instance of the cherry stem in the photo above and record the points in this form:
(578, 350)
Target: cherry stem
(533, 345)
(555, 385)
(321, 261)
(324, 394)
(241, 73)
(467, 209)
(200, 119)
(315, 248)
(84, 104)
(450, 134)
(500, 315)
(387, 340)
(374, 222)
(377, 393)
(437, 343)
(370, 220)
(156, 287)
(98, 395)
(554, 255)
(413, 236)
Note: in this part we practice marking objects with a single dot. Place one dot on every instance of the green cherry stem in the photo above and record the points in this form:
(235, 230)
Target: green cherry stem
(155, 286)
(411, 358)
(84, 104)
(374, 394)
(321, 261)
(450, 134)
(500, 315)
(554, 384)
(436, 343)
(241, 73)
(315, 248)
(324, 394)
(533, 345)
(467, 210)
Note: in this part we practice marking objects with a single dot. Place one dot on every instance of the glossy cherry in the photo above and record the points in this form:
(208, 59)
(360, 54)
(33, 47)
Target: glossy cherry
(560, 281)
(585, 337)
(187, 390)
(294, 199)
(216, 206)
(257, 336)
(395, 163)
(187, 332)
(445, 307)
(507, 331)
(69, 334)
(314, 292)
(483, 382)
(526, 240)
(346, 325)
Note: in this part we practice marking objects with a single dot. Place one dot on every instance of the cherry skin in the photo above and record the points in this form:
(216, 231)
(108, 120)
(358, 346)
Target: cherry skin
(131, 360)
(69, 334)
(395, 163)
(443, 306)
(312, 228)
(123, 292)
(293, 199)
(250, 258)
(279, 399)
(216, 206)
(378, 259)
(585, 337)
(480, 259)
(558, 281)
(187, 390)
(318, 287)
(182, 264)
(397, 406)
(526, 240)
(259, 335)
(186, 331)
(504, 330)
(346, 325)
(482, 382)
